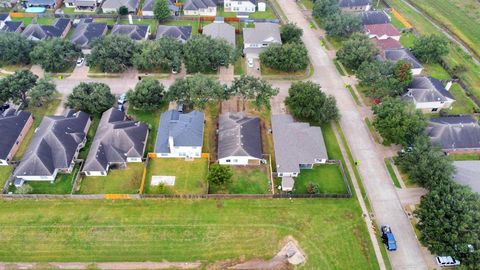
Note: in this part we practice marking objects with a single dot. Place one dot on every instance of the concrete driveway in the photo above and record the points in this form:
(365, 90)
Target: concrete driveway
(255, 70)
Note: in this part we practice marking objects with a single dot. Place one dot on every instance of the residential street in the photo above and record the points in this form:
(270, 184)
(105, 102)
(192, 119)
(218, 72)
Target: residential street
(381, 192)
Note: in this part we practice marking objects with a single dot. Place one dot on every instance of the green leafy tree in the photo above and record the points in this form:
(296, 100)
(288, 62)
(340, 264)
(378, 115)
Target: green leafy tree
(307, 101)
(15, 87)
(204, 54)
(15, 49)
(123, 10)
(112, 53)
(196, 91)
(325, 8)
(164, 54)
(161, 10)
(287, 57)
(458, 70)
(356, 50)
(313, 188)
(55, 54)
(252, 88)
(44, 91)
(290, 32)
(220, 175)
(94, 98)
(342, 24)
(430, 49)
(148, 95)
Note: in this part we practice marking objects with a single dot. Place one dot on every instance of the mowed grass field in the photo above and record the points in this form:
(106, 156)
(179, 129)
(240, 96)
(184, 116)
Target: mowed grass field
(330, 231)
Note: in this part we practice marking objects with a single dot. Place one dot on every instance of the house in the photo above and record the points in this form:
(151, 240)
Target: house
(136, 32)
(82, 5)
(4, 17)
(405, 55)
(59, 28)
(200, 8)
(382, 31)
(180, 134)
(181, 33)
(467, 172)
(147, 9)
(386, 44)
(48, 4)
(220, 30)
(87, 31)
(239, 6)
(54, 147)
(455, 134)
(14, 125)
(297, 146)
(12, 26)
(374, 17)
(117, 141)
(111, 6)
(262, 5)
(355, 5)
(239, 140)
(428, 94)
(255, 40)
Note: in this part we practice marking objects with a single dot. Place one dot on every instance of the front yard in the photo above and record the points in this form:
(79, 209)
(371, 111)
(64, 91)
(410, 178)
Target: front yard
(118, 181)
(327, 176)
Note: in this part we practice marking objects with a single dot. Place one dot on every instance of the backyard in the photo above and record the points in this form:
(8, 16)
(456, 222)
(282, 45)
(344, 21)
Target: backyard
(246, 180)
(118, 181)
(63, 184)
(328, 177)
(5, 172)
(152, 119)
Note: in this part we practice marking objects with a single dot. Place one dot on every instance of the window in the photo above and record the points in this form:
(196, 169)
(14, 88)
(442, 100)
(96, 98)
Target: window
(228, 160)
(87, 173)
(434, 109)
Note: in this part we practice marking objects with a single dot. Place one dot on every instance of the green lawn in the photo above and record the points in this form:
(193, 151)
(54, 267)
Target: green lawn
(26, 21)
(266, 71)
(436, 70)
(63, 184)
(407, 39)
(223, 13)
(45, 20)
(5, 172)
(308, 4)
(90, 135)
(239, 66)
(463, 104)
(118, 181)
(193, 23)
(152, 119)
(267, 14)
(336, 42)
(211, 112)
(338, 67)
(246, 180)
(190, 176)
(327, 176)
(109, 21)
(332, 232)
(393, 176)
(460, 157)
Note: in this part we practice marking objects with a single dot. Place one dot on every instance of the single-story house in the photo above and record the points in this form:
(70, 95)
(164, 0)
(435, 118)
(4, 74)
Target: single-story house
(467, 172)
(117, 141)
(200, 8)
(14, 125)
(110, 6)
(180, 134)
(54, 147)
(455, 134)
(221, 30)
(297, 146)
(374, 17)
(49, 4)
(4, 17)
(405, 55)
(136, 32)
(87, 31)
(147, 9)
(255, 40)
(12, 26)
(387, 44)
(239, 5)
(382, 31)
(82, 5)
(355, 5)
(181, 33)
(59, 28)
(428, 94)
(239, 140)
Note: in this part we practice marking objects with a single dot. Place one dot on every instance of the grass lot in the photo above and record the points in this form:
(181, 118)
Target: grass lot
(63, 184)
(152, 119)
(462, 104)
(354, 95)
(90, 135)
(26, 21)
(267, 14)
(436, 70)
(211, 112)
(192, 23)
(153, 23)
(45, 20)
(336, 42)
(118, 181)
(240, 65)
(246, 180)
(327, 176)
(5, 172)
(393, 176)
(223, 13)
(330, 231)
(109, 21)
(38, 114)
(460, 157)
(190, 176)
(266, 71)
(308, 4)
(407, 39)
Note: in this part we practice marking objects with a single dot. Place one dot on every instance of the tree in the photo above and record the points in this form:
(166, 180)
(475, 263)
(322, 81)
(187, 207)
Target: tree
(325, 8)
(55, 54)
(44, 91)
(164, 54)
(307, 101)
(219, 175)
(251, 88)
(112, 53)
(458, 70)
(430, 49)
(196, 91)
(290, 32)
(342, 24)
(123, 10)
(313, 188)
(398, 122)
(93, 98)
(204, 54)
(161, 10)
(15, 49)
(287, 57)
(15, 87)
(356, 50)
(148, 94)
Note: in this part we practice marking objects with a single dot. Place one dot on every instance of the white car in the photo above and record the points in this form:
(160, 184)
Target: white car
(80, 61)
(250, 62)
(122, 99)
(446, 261)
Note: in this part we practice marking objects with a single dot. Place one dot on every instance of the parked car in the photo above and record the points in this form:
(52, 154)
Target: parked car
(388, 238)
(122, 99)
(80, 61)
(446, 261)
(250, 62)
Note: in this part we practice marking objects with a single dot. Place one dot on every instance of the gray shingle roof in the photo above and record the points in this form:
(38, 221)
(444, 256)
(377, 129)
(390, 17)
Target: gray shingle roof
(3, 16)
(41, 3)
(86, 32)
(181, 33)
(455, 132)
(222, 31)
(199, 4)
(185, 128)
(239, 135)
(402, 54)
(39, 32)
(262, 33)
(374, 17)
(11, 26)
(467, 172)
(149, 4)
(427, 89)
(354, 3)
(116, 140)
(54, 144)
(296, 143)
(132, 5)
(133, 31)
(12, 122)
